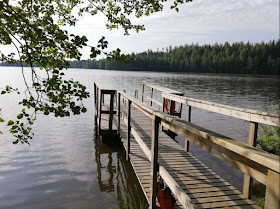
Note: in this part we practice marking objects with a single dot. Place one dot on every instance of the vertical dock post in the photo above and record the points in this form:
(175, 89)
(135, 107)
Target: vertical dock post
(95, 94)
(95, 105)
(112, 96)
(119, 113)
(143, 89)
(272, 194)
(189, 110)
(128, 128)
(100, 109)
(154, 161)
(252, 136)
(152, 92)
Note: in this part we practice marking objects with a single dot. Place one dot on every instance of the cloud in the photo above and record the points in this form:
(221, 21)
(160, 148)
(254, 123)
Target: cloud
(200, 21)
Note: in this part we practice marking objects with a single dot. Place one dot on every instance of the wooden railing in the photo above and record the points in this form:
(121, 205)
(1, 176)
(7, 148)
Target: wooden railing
(260, 165)
(161, 103)
(253, 117)
(99, 94)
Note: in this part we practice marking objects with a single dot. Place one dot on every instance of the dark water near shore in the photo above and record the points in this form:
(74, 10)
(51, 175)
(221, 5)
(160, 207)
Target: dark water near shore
(64, 167)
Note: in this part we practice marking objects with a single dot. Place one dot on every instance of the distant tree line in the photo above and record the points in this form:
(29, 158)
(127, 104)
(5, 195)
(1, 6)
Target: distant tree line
(241, 58)
(237, 58)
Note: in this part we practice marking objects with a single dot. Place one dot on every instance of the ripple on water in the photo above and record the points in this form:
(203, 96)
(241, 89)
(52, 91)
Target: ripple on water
(64, 169)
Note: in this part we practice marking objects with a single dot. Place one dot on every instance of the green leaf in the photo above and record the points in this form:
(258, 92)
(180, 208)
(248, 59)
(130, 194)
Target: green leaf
(10, 123)
(19, 116)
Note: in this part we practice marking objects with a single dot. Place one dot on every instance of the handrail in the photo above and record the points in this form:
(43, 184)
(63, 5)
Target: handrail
(99, 100)
(252, 116)
(262, 166)
(177, 191)
(163, 104)
(261, 157)
(162, 89)
(241, 113)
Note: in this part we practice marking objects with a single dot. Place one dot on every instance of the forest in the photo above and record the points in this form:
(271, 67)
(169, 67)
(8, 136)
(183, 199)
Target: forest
(236, 58)
(239, 58)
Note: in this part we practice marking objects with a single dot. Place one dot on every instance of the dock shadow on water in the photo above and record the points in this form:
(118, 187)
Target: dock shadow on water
(115, 174)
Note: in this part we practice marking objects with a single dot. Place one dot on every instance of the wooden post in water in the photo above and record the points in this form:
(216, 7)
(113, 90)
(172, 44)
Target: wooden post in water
(100, 110)
(252, 136)
(128, 128)
(119, 113)
(187, 143)
(154, 161)
(95, 105)
(152, 91)
(95, 101)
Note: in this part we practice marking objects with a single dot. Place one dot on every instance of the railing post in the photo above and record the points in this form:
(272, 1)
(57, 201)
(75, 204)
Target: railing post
(124, 101)
(252, 136)
(128, 128)
(112, 96)
(172, 107)
(119, 113)
(180, 110)
(272, 194)
(143, 89)
(188, 119)
(100, 110)
(95, 101)
(152, 92)
(154, 161)
(95, 105)
(163, 103)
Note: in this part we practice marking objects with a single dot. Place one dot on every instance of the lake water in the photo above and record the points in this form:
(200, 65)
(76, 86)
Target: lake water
(64, 167)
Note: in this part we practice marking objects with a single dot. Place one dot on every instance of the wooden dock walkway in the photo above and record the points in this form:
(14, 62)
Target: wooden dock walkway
(194, 185)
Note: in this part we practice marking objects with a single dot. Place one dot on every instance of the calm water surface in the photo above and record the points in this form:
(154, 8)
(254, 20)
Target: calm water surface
(65, 167)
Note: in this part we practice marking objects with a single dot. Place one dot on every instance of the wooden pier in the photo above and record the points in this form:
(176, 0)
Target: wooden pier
(151, 151)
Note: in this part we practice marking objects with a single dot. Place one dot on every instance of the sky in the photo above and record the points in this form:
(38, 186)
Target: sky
(200, 21)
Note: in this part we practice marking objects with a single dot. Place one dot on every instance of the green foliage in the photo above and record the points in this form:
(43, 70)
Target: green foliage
(260, 202)
(269, 139)
(33, 28)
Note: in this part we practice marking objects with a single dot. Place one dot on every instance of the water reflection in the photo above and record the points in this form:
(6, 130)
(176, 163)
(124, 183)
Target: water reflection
(114, 172)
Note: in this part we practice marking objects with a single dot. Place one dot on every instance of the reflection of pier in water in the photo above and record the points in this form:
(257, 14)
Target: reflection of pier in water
(114, 173)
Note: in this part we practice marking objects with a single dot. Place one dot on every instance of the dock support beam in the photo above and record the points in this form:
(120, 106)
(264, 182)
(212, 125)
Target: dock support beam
(252, 137)
(154, 161)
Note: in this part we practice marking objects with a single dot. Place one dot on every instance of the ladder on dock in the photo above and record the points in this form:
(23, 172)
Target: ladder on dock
(193, 184)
